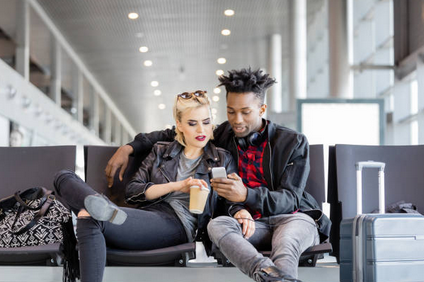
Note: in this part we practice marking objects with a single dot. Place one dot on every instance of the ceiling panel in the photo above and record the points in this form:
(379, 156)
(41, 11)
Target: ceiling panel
(184, 40)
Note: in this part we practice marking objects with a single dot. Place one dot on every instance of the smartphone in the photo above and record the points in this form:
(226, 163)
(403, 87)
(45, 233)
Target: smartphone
(219, 172)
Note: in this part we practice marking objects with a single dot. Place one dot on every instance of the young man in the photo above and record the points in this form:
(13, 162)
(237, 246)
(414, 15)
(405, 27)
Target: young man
(271, 206)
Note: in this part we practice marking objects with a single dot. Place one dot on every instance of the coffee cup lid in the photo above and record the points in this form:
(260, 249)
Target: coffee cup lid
(202, 187)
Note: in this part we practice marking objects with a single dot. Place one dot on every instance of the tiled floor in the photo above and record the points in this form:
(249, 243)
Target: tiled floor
(326, 271)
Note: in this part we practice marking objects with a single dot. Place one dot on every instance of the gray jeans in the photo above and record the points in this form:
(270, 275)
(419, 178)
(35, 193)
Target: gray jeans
(287, 235)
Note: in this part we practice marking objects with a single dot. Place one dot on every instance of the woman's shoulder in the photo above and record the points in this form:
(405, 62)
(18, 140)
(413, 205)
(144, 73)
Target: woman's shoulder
(167, 149)
(162, 146)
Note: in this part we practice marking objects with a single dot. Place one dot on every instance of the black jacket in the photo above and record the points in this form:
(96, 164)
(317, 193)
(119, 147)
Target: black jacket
(286, 170)
(161, 166)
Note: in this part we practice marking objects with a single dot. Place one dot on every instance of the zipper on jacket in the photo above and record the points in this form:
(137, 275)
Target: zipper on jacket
(163, 173)
(270, 170)
(238, 154)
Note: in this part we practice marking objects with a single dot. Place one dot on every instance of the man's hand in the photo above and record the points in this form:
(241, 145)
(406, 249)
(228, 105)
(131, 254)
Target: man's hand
(118, 160)
(231, 188)
(247, 222)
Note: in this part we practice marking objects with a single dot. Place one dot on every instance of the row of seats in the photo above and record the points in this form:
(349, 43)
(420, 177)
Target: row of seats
(21, 168)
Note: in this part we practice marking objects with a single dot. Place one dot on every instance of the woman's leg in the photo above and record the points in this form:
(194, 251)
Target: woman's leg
(83, 200)
(72, 189)
(146, 229)
(155, 228)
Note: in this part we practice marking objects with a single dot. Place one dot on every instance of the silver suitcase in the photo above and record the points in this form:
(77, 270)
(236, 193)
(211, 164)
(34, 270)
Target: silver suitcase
(381, 247)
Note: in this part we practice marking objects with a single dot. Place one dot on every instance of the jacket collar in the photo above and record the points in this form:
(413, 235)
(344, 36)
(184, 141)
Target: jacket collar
(271, 131)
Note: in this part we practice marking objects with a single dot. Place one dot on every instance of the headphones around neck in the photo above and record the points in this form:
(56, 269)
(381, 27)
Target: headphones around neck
(253, 139)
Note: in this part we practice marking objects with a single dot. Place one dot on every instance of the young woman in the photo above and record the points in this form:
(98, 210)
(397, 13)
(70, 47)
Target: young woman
(161, 185)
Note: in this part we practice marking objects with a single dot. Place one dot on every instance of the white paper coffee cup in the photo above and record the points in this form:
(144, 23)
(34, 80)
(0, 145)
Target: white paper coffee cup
(198, 197)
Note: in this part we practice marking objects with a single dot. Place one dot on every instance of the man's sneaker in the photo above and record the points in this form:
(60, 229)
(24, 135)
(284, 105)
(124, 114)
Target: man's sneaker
(102, 209)
(272, 273)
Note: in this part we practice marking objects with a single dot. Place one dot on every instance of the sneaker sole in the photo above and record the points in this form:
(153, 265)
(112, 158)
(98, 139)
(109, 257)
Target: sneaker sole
(100, 209)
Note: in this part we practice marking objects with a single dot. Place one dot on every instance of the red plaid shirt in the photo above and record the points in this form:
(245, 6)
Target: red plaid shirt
(251, 169)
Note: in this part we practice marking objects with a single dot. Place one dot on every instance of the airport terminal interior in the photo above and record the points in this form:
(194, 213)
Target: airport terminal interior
(97, 72)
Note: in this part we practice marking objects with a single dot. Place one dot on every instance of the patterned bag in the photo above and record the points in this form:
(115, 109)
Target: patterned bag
(32, 218)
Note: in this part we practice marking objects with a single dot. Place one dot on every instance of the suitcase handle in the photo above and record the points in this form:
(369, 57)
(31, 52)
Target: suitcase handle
(370, 164)
(381, 195)
(358, 236)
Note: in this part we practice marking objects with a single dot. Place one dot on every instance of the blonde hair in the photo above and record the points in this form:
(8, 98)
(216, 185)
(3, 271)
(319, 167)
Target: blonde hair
(181, 105)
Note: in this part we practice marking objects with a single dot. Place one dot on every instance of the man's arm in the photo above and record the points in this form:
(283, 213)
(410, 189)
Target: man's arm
(142, 144)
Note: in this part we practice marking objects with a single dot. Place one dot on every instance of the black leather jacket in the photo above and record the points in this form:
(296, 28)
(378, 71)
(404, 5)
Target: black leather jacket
(161, 165)
(286, 170)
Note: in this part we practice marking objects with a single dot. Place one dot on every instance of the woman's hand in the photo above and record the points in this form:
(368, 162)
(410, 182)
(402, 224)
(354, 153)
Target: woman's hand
(247, 222)
(159, 190)
(184, 185)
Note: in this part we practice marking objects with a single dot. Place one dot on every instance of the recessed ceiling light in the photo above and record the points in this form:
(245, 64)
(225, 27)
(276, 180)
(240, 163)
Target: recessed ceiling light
(157, 92)
(214, 111)
(154, 83)
(219, 72)
(143, 49)
(226, 32)
(148, 63)
(161, 106)
(133, 16)
(217, 90)
(168, 126)
(229, 13)
(215, 98)
(221, 61)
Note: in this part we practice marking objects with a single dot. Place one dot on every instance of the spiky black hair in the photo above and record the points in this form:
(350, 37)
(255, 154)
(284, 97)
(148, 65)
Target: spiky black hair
(246, 80)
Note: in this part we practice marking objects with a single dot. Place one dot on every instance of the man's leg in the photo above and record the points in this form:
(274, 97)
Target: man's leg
(226, 233)
(293, 234)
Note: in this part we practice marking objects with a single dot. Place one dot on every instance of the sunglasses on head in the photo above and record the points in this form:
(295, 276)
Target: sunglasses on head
(189, 95)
